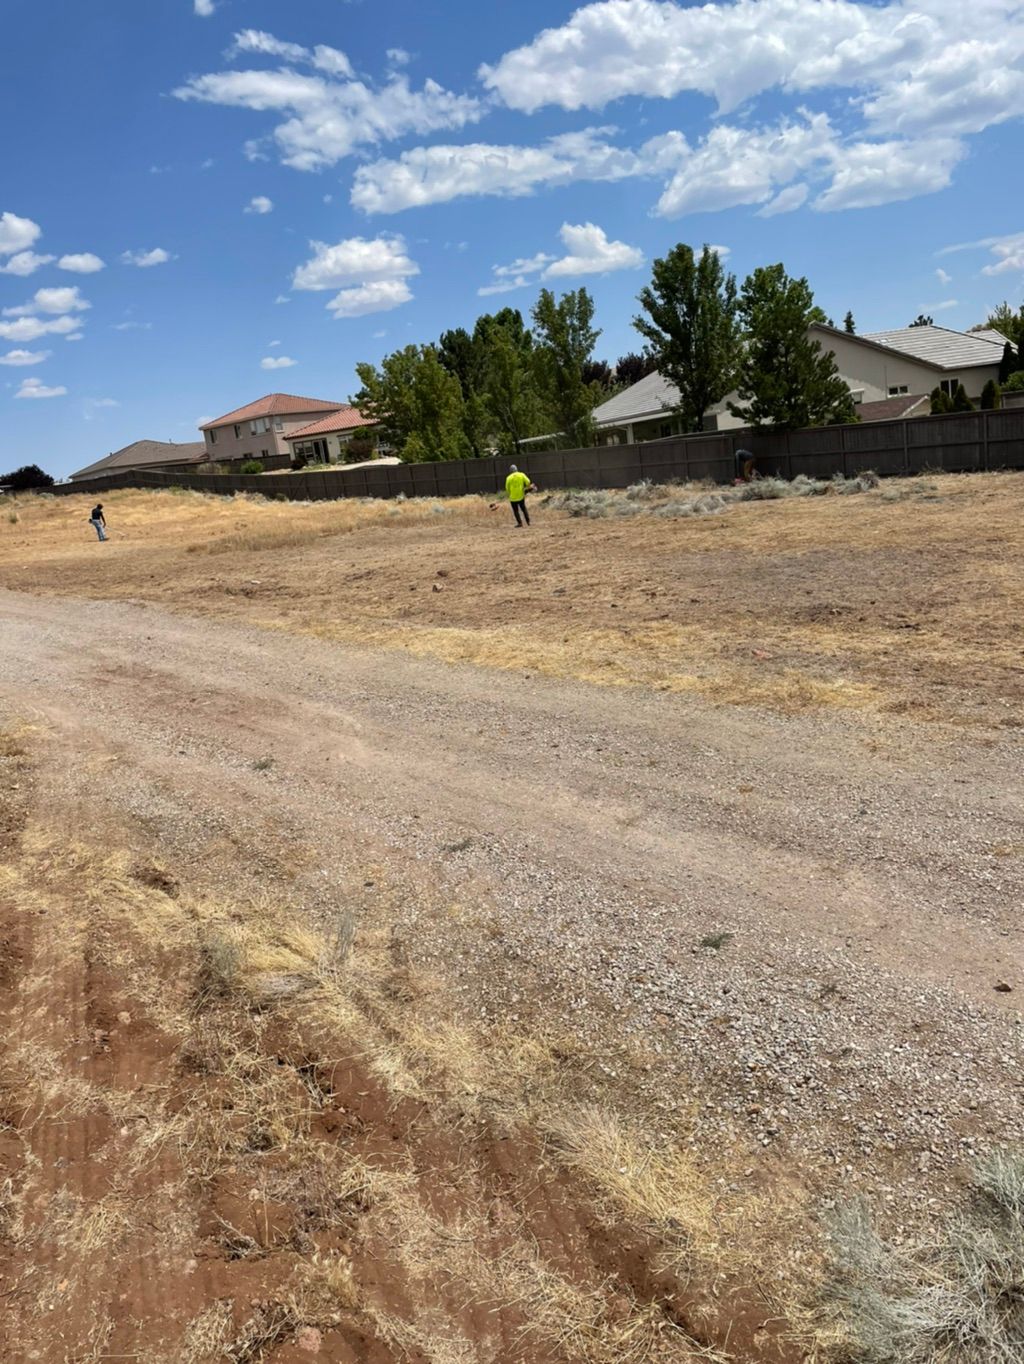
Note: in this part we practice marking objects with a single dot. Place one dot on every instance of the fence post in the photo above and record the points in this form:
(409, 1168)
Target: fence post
(984, 439)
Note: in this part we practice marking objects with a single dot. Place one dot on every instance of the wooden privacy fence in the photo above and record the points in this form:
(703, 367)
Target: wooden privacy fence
(954, 443)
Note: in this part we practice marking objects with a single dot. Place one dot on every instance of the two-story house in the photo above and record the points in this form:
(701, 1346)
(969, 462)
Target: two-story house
(259, 430)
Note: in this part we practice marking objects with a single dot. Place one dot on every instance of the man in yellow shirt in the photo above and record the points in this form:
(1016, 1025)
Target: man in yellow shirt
(517, 485)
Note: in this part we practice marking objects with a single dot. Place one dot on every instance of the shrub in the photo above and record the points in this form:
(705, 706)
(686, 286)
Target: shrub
(941, 401)
(990, 396)
(957, 1296)
(251, 466)
(1015, 383)
(961, 402)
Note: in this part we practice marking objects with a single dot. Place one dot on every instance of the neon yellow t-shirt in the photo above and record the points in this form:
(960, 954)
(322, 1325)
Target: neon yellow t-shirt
(516, 485)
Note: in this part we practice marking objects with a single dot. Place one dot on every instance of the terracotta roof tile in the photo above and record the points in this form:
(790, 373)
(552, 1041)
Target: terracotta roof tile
(273, 405)
(347, 419)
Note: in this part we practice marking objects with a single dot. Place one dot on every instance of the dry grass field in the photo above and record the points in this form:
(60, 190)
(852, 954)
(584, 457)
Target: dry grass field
(906, 599)
(428, 942)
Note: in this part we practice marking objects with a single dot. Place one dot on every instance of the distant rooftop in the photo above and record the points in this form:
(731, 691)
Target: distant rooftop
(273, 405)
(941, 346)
(348, 419)
(144, 454)
(648, 397)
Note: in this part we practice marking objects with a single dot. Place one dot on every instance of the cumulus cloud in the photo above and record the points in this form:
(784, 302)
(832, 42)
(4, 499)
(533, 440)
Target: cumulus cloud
(379, 296)
(259, 204)
(83, 263)
(35, 388)
(32, 328)
(55, 301)
(25, 357)
(433, 175)
(377, 270)
(943, 276)
(328, 113)
(17, 234)
(917, 73)
(24, 263)
(1008, 252)
(146, 259)
(867, 174)
(357, 259)
(204, 8)
(277, 362)
(588, 252)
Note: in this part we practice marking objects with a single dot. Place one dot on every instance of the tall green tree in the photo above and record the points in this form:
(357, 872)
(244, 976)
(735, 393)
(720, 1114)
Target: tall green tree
(848, 324)
(565, 341)
(514, 402)
(1009, 323)
(28, 476)
(961, 402)
(692, 329)
(1008, 363)
(418, 403)
(785, 380)
(921, 320)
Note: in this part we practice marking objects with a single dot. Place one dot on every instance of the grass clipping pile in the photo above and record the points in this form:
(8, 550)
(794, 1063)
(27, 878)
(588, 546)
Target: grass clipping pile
(224, 1137)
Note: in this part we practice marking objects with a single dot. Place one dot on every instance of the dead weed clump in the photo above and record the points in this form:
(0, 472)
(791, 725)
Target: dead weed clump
(956, 1296)
(680, 500)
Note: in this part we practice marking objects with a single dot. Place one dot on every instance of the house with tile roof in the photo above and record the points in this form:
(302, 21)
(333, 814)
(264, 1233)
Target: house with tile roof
(878, 368)
(145, 454)
(258, 430)
(326, 440)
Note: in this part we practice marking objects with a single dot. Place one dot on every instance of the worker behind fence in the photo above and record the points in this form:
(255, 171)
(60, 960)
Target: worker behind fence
(517, 485)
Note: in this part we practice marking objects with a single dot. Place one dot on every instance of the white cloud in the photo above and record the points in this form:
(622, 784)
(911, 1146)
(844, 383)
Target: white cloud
(272, 344)
(25, 357)
(398, 56)
(722, 252)
(35, 388)
(24, 263)
(871, 173)
(786, 201)
(377, 269)
(133, 326)
(282, 298)
(277, 362)
(17, 234)
(942, 307)
(357, 259)
(204, 8)
(32, 328)
(1008, 252)
(433, 175)
(943, 276)
(75, 336)
(55, 301)
(259, 204)
(84, 263)
(379, 297)
(908, 58)
(589, 252)
(93, 405)
(145, 259)
(329, 113)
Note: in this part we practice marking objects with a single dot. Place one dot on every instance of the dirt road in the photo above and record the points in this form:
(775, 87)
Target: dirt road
(855, 883)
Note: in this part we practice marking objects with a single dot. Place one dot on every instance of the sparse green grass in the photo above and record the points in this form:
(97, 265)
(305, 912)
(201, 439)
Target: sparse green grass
(716, 941)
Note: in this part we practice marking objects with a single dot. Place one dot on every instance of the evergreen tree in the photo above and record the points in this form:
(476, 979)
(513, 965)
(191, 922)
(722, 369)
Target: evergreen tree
(1015, 383)
(1008, 364)
(990, 397)
(565, 342)
(692, 329)
(631, 368)
(921, 321)
(848, 325)
(27, 477)
(786, 380)
(941, 401)
(1008, 323)
(961, 402)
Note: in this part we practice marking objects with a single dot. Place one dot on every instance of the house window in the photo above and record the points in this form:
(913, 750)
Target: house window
(857, 394)
(950, 386)
(264, 453)
(666, 430)
(278, 424)
(238, 431)
(898, 390)
(213, 437)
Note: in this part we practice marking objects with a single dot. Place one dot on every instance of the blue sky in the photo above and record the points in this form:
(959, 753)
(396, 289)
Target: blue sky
(194, 192)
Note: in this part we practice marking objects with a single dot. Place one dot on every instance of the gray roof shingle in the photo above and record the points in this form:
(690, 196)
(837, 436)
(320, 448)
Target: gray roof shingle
(143, 453)
(941, 346)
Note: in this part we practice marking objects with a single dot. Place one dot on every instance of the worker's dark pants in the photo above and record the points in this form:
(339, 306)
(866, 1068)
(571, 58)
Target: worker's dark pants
(518, 507)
